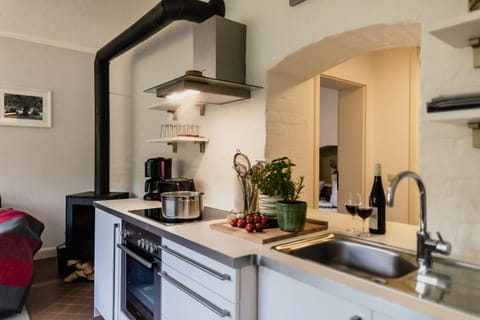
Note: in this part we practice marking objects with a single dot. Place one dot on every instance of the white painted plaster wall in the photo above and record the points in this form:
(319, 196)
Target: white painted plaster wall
(328, 116)
(39, 166)
(448, 163)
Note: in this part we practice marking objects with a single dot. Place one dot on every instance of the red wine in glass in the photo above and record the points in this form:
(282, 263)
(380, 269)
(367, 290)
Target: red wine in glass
(352, 202)
(352, 209)
(364, 213)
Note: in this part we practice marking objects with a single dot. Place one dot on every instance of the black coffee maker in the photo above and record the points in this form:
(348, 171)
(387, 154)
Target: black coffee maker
(157, 170)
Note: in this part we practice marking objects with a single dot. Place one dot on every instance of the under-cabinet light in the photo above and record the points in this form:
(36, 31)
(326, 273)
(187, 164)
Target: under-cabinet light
(180, 95)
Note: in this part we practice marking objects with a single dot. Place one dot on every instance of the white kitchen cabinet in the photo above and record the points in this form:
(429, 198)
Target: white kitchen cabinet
(210, 289)
(107, 266)
(283, 298)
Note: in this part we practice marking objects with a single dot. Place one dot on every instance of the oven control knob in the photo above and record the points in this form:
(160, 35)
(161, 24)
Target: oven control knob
(142, 243)
(138, 242)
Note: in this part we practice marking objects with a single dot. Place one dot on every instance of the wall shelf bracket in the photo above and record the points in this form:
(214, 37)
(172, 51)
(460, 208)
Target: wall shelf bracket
(174, 114)
(475, 44)
(475, 126)
(174, 146)
(202, 146)
(202, 109)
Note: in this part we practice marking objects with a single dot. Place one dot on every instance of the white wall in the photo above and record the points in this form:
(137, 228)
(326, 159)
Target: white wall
(328, 117)
(39, 166)
(448, 163)
(228, 127)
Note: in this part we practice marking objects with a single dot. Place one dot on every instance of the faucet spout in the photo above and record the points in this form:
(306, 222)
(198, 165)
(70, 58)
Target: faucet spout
(425, 245)
(422, 195)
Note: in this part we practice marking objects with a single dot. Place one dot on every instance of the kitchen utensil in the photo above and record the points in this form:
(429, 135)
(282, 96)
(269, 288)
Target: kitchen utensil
(182, 205)
(241, 164)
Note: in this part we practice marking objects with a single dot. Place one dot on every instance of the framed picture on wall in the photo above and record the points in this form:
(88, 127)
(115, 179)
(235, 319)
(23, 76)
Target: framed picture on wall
(25, 108)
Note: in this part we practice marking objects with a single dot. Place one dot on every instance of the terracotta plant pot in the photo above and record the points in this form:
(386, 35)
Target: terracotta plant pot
(291, 215)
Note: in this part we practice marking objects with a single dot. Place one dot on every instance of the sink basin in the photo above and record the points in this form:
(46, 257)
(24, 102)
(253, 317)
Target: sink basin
(353, 255)
(450, 282)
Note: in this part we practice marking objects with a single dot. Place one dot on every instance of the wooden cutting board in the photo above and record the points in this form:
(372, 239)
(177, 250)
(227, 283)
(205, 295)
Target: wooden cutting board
(270, 234)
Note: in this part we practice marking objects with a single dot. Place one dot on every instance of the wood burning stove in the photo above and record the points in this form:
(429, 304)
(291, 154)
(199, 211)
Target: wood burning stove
(80, 225)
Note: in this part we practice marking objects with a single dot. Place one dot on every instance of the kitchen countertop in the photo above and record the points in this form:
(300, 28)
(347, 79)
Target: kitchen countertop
(236, 252)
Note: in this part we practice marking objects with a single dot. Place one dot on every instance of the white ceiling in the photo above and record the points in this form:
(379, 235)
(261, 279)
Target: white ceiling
(84, 25)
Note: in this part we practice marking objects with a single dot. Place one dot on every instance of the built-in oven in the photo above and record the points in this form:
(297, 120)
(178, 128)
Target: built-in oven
(140, 287)
(140, 267)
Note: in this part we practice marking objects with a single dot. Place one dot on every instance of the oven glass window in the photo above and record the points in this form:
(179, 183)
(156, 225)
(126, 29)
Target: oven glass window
(140, 290)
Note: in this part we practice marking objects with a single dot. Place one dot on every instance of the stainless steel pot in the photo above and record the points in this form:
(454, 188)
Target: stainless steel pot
(182, 205)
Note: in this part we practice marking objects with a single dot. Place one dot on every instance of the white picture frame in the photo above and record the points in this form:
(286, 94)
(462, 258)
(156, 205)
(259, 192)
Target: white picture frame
(25, 107)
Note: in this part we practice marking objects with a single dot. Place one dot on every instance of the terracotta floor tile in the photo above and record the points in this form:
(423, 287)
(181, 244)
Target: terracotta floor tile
(55, 307)
(50, 298)
(74, 309)
(67, 299)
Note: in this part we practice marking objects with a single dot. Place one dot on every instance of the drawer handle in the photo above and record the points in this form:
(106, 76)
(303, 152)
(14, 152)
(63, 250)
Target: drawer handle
(356, 318)
(216, 274)
(217, 310)
(135, 256)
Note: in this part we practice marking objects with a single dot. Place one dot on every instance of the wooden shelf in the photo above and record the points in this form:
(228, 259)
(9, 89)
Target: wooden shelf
(174, 141)
(458, 30)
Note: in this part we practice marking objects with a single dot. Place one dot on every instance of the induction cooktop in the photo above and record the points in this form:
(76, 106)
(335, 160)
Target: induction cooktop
(156, 214)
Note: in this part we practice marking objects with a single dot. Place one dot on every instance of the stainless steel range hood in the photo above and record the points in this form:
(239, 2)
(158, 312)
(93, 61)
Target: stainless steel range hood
(219, 62)
(202, 90)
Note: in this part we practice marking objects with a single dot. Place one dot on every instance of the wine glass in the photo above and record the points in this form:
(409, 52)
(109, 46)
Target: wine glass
(352, 202)
(364, 210)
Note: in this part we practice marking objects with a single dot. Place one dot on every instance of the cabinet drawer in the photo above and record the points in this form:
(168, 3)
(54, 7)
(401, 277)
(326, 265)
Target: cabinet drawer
(214, 276)
(184, 299)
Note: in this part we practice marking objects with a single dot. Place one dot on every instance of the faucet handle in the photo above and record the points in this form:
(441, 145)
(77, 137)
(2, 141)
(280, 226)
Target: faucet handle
(442, 246)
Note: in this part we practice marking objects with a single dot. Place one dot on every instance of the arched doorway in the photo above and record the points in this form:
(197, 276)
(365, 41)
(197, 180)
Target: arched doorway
(291, 93)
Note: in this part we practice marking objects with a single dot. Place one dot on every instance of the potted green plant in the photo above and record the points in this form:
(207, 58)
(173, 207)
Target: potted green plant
(274, 179)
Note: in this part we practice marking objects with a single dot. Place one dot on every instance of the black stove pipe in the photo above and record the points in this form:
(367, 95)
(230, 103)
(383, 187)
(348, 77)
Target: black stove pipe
(164, 13)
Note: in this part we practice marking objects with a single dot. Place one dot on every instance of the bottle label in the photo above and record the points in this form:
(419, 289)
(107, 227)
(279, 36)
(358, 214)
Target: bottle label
(374, 219)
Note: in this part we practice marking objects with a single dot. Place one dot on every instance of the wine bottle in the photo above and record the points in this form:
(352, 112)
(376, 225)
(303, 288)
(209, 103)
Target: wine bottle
(377, 202)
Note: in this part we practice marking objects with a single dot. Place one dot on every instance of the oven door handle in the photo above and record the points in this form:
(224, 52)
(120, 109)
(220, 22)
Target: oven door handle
(210, 305)
(135, 256)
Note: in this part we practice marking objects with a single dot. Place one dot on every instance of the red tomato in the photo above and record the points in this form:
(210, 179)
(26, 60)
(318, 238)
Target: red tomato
(249, 219)
(257, 219)
(233, 222)
(249, 227)
(258, 226)
(241, 223)
(264, 220)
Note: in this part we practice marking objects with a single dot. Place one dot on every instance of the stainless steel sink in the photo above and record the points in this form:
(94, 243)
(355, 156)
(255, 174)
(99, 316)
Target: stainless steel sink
(450, 282)
(353, 255)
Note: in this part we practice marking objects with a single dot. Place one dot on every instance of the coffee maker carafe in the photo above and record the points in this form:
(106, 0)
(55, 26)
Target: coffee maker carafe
(156, 170)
